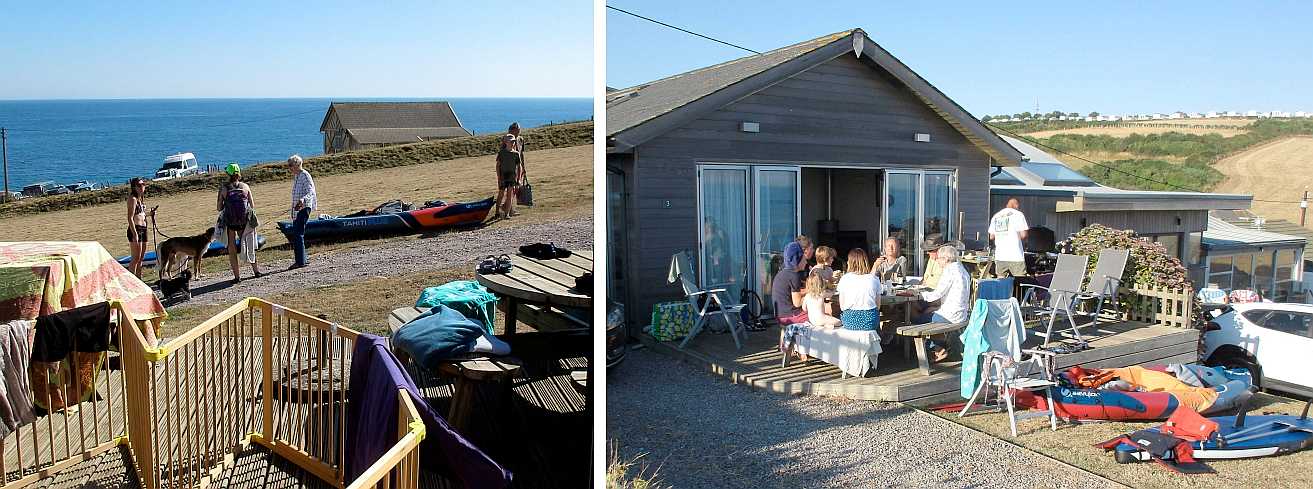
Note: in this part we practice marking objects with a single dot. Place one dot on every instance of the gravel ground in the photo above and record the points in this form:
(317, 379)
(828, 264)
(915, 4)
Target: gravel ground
(440, 252)
(698, 430)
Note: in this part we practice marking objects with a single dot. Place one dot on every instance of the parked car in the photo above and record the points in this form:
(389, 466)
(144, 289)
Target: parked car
(11, 196)
(43, 188)
(1272, 340)
(83, 186)
(177, 166)
(616, 339)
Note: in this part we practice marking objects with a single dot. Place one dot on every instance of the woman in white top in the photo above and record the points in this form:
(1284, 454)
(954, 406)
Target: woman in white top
(814, 303)
(859, 294)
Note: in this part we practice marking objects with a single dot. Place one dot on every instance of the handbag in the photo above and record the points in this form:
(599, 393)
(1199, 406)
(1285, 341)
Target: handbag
(671, 320)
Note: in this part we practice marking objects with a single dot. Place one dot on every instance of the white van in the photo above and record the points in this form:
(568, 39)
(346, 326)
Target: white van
(178, 165)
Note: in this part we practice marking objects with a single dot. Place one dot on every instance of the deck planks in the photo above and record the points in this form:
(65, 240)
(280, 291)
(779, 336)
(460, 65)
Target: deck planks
(896, 377)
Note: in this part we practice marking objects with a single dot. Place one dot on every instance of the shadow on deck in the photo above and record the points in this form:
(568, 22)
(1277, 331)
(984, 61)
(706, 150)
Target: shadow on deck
(896, 377)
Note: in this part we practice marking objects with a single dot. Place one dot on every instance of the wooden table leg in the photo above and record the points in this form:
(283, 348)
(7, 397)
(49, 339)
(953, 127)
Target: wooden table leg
(462, 405)
(922, 356)
(510, 315)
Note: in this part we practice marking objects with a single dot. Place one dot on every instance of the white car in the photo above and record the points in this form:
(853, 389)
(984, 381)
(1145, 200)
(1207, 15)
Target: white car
(1273, 340)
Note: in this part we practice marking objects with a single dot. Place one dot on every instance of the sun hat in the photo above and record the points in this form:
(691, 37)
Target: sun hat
(792, 255)
(233, 169)
(932, 243)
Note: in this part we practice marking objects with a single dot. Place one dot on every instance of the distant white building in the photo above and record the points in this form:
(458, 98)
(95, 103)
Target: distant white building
(1300, 113)
(1252, 113)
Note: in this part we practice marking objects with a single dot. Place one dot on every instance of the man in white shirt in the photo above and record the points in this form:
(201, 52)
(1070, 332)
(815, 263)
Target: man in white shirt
(1008, 230)
(304, 200)
(953, 293)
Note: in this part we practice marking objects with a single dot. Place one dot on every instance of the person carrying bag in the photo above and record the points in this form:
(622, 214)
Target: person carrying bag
(524, 191)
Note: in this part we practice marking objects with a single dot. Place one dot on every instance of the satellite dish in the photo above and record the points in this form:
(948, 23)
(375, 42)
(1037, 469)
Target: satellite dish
(859, 41)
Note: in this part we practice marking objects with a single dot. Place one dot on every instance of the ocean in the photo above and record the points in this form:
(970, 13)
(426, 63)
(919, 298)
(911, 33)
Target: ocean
(111, 141)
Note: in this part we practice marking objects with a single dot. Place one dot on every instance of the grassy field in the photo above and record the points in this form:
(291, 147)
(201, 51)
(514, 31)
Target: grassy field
(1123, 131)
(560, 177)
(1280, 170)
(1073, 444)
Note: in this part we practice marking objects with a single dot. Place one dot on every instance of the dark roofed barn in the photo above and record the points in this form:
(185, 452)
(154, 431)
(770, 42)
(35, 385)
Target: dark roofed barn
(361, 125)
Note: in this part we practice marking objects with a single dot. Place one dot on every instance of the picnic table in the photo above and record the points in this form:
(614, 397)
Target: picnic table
(982, 265)
(538, 282)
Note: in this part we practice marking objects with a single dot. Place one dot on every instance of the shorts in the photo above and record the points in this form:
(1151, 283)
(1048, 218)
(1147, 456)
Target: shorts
(861, 319)
(797, 317)
(1012, 268)
(507, 179)
(141, 234)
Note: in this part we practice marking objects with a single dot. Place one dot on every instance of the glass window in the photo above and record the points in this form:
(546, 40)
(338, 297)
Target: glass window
(1194, 247)
(939, 206)
(1170, 242)
(777, 220)
(1296, 323)
(1058, 175)
(724, 233)
(1263, 273)
(1242, 278)
(903, 190)
(615, 235)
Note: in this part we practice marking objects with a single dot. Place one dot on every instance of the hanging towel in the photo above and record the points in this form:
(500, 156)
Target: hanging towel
(372, 418)
(994, 289)
(15, 390)
(994, 326)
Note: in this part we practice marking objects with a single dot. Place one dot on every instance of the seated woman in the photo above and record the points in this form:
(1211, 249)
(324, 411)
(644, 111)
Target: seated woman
(859, 294)
(817, 310)
(891, 264)
(953, 294)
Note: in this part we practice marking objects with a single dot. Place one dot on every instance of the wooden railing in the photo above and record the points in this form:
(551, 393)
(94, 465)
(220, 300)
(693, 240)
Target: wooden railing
(1158, 305)
(255, 373)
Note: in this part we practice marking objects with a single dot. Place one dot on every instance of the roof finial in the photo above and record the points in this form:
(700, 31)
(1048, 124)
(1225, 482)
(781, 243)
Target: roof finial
(859, 41)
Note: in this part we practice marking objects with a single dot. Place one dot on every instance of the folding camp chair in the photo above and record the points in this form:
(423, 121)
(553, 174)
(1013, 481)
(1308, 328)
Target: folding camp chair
(1063, 293)
(712, 301)
(999, 326)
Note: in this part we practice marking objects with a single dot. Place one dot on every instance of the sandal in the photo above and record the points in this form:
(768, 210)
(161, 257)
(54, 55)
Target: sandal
(504, 264)
(939, 354)
(487, 266)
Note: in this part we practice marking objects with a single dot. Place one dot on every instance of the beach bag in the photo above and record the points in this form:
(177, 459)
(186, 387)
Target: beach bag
(465, 296)
(524, 193)
(671, 320)
(235, 211)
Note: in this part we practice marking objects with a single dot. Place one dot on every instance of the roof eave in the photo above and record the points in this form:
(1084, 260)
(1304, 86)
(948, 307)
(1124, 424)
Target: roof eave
(1113, 202)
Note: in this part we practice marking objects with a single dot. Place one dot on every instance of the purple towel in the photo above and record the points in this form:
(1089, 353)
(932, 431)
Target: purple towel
(372, 422)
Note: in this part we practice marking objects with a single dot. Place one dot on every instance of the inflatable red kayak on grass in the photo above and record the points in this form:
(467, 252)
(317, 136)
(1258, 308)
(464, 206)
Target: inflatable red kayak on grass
(1233, 387)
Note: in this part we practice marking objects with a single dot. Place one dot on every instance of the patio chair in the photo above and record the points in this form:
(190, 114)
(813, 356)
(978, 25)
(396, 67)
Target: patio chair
(1062, 294)
(992, 349)
(705, 302)
(1106, 280)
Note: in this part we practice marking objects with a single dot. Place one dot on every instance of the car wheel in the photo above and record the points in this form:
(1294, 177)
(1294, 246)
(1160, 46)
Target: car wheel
(1231, 360)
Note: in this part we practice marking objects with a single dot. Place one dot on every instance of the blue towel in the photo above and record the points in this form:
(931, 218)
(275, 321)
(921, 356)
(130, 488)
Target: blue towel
(995, 289)
(437, 335)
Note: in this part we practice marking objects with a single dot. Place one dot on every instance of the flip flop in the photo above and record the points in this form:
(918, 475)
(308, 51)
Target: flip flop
(504, 264)
(488, 266)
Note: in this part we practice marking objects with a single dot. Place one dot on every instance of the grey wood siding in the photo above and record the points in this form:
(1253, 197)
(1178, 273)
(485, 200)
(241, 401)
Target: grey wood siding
(1041, 211)
(842, 112)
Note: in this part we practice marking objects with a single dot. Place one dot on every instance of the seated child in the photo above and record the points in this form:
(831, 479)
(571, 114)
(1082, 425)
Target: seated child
(814, 303)
(824, 264)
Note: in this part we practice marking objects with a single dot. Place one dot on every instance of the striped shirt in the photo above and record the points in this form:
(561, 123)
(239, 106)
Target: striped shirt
(303, 191)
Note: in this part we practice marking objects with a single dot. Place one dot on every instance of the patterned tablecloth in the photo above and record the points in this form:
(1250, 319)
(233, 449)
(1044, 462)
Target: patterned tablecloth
(39, 278)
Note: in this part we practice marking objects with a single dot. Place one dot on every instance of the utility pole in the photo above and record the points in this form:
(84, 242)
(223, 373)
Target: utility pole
(1303, 207)
(4, 158)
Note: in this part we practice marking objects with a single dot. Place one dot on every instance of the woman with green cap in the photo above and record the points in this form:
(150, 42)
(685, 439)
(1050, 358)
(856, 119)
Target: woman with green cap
(237, 213)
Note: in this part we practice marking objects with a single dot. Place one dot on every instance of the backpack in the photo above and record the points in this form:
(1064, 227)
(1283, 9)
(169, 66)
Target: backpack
(235, 210)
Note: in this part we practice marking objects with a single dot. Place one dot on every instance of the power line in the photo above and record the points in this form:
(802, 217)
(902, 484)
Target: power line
(1123, 172)
(680, 29)
(284, 116)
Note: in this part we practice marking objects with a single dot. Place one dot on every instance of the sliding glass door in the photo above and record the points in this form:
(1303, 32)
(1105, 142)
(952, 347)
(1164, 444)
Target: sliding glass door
(919, 204)
(723, 225)
(777, 219)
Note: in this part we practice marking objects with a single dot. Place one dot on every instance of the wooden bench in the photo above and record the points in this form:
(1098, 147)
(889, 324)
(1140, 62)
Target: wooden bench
(921, 332)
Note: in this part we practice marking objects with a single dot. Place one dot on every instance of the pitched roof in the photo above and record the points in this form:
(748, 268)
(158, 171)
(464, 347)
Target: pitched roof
(387, 115)
(632, 107)
(404, 134)
(1245, 219)
(1222, 235)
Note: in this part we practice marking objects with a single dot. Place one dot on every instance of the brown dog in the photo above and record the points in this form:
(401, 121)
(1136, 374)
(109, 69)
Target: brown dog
(173, 250)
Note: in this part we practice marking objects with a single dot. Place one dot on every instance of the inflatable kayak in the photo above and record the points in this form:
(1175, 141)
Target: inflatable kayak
(1256, 436)
(1232, 388)
(438, 216)
(216, 248)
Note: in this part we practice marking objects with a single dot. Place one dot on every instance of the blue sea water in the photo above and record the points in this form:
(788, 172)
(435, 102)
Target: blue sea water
(113, 140)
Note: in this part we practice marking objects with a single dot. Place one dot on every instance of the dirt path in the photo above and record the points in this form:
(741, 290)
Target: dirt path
(459, 249)
(1279, 170)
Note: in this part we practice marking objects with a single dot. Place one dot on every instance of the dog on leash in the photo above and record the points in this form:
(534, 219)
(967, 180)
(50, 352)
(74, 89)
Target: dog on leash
(174, 250)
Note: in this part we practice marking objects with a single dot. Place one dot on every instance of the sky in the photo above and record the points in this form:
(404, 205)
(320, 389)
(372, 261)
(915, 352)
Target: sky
(1004, 57)
(325, 48)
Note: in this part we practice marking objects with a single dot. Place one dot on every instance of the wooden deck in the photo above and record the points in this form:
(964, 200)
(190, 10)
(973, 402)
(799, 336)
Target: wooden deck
(896, 377)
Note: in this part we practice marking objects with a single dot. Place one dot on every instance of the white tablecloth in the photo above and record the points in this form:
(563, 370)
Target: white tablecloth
(854, 352)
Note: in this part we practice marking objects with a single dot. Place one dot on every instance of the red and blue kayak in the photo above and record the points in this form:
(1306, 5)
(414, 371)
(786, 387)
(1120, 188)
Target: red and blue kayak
(428, 219)
(1107, 404)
